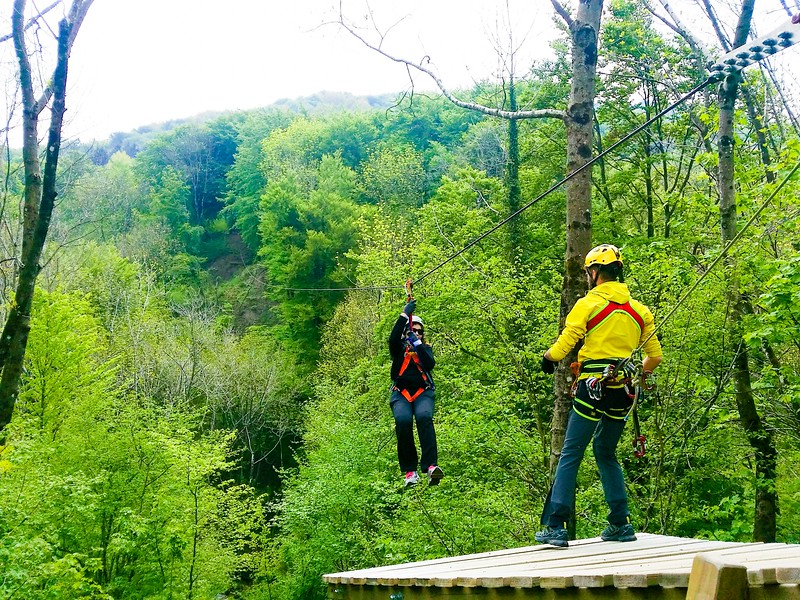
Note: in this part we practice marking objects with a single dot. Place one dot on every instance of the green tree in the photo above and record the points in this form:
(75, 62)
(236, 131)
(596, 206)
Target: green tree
(201, 155)
(113, 496)
(245, 179)
(103, 203)
(306, 234)
(394, 175)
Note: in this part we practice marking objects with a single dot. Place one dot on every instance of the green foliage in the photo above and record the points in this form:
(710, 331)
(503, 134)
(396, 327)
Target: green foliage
(245, 180)
(299, 148)
(106, 495)
(103, 203)
(195, 421)
(306, 234)
(199, 157)
(394, 175)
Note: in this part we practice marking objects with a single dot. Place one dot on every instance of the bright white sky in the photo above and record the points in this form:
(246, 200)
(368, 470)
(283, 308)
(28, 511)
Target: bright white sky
(140, 62)
(137, 62)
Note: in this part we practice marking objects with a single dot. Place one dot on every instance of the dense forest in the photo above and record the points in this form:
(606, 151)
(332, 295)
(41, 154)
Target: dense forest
(203, 408)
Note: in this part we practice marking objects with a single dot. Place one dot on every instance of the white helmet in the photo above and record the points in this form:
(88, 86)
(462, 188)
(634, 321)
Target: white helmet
(416, 319)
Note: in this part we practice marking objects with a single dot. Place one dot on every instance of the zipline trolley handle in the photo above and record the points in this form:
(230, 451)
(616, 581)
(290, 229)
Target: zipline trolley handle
(409, 285)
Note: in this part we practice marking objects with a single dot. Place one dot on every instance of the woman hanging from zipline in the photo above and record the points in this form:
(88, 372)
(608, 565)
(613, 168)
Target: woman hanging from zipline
(413, 396)
(612, 325)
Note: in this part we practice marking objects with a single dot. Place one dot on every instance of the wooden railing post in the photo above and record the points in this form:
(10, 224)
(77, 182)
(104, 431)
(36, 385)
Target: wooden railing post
(714, 579)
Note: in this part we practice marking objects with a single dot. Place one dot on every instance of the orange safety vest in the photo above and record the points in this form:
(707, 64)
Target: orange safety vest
(412, 356)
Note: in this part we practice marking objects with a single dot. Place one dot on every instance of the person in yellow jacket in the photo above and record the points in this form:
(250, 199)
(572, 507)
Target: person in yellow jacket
(612, 325)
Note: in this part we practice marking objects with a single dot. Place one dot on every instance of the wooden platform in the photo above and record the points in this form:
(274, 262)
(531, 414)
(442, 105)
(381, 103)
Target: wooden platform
(654, 566)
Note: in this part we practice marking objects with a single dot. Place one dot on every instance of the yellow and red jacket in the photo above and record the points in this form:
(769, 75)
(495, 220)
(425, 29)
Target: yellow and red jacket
(611, 324)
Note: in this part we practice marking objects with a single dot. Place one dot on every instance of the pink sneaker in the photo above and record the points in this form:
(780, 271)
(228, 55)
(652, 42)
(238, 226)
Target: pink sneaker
(434, 475)
(412, 478)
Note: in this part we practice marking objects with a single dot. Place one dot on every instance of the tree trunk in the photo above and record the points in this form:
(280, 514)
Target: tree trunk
(512, 176)
(584, 29)
(758, 434)
(40, 193)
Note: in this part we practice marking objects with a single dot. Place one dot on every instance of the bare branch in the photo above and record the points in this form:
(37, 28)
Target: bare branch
(77, 13)
(562, 12)
(715, 23)
(678, 27)
(32, 21)
(420, 66)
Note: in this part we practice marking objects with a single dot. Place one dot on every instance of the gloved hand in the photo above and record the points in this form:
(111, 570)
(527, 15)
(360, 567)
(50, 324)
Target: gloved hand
(413, 339)
(409, 308)
(594, 388)
(548, 366)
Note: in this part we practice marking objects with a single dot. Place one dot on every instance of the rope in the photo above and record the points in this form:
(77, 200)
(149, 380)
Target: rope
(558, 184)
(437, 528)
(721, 255)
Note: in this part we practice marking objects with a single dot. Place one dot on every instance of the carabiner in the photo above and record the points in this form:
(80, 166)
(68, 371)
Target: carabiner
(639, 446)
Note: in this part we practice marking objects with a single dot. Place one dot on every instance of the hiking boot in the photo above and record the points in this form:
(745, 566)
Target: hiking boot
(555, 536)
(412, 478)
(434, 475)
(621, 533)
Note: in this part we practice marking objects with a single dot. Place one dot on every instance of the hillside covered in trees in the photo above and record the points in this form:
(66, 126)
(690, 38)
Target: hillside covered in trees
(203, 410)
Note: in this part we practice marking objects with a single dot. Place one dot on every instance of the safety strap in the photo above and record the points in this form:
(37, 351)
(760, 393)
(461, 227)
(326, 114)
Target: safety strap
(596, 367)
(407, 359)
(409, 356)
(613, 307)
(409, 396)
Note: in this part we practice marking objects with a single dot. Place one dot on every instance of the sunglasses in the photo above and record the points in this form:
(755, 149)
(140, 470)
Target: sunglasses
(417, 329)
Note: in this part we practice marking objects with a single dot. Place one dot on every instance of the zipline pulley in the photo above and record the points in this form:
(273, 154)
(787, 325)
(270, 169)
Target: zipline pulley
(409, 296)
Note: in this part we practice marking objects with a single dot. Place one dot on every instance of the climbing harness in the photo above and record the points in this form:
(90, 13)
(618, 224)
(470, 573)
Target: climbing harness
(623, 373)
(411, 356)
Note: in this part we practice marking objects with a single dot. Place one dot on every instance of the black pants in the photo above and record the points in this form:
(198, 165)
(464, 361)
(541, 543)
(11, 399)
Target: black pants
(404, 413)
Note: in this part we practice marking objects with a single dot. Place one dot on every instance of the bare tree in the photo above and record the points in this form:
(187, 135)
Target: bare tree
(40, 184)
(758, 434)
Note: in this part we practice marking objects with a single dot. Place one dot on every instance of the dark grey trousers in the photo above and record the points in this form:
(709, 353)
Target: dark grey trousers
(605, 435)
(405, 413)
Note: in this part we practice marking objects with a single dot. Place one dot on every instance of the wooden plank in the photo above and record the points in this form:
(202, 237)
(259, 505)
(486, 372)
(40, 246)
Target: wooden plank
(432, 593)
(621, 573)
(652, 561)
(509, 556)
(670, 566)
(527, 568)
(607, 552)
(712, 578)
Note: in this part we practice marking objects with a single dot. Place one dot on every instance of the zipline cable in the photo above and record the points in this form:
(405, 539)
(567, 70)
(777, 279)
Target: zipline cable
(731, 64)
(340, 289)
(525, 207)
(558, 184)
(721, 254)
